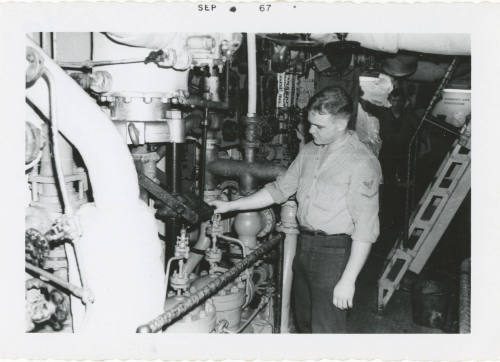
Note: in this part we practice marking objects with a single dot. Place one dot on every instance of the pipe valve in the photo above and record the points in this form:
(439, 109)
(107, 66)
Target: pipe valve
(180, 278)
(213, 254)
(182, 245)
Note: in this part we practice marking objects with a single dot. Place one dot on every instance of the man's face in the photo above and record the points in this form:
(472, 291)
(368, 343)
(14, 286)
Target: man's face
(326, 128)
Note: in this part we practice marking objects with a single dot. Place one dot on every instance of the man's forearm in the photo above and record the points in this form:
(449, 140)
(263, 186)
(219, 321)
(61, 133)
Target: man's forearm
(359, 253)
(258, 200)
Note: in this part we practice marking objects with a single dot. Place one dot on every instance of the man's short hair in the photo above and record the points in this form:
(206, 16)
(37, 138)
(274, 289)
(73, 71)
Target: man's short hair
(331, 100)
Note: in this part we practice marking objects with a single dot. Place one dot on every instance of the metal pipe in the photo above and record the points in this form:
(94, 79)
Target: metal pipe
(235, 241)
(446, 44)
(173, 186)
(173, 165)
(263, 302)
(211, 155)
(73, 289)
(167, 318)
(249, 293)
(168, 270)
(290, 227)
(203, 154)
(97, 63)
(236, 168)
(252, 75)
(48, 77)
(278, 306)
(84, 292)
(202, 244)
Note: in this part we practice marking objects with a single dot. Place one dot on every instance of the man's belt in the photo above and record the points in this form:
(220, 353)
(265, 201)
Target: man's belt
(307, 231)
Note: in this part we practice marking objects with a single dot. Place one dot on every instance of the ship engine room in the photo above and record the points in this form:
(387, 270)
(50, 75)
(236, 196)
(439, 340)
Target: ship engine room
(204, 182)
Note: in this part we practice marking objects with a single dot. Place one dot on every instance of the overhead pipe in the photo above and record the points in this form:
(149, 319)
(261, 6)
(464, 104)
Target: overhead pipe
(116, 220)
(432, 72)
(432, 43)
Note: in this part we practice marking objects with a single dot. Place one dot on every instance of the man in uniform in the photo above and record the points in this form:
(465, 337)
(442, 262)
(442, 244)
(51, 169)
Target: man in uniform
(336, 179)
(398, 123)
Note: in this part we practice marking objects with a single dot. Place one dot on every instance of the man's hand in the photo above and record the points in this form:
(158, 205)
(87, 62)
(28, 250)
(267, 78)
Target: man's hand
(343, 294)
(221, 207)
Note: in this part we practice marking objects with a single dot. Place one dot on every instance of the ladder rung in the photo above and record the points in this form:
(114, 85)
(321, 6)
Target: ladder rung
(429, 221)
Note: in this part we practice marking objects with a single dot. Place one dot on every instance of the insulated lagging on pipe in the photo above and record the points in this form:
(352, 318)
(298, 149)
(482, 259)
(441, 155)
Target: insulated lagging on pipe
(116, 220)
(237, 168)
(90, 131)
(77, 291)
(167, 318)
(290, 227)
(252, 74)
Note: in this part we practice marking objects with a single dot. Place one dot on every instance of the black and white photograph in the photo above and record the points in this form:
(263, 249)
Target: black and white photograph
(240, 182)
(232, 185)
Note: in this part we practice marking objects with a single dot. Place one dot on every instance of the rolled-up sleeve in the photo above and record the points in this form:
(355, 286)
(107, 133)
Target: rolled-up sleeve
(363, 200)
(286, 184)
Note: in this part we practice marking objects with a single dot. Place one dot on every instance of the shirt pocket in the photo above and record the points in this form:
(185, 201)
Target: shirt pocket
(331, 194)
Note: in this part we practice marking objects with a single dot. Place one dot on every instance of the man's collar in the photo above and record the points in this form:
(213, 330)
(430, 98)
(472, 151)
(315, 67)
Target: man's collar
(340, 142)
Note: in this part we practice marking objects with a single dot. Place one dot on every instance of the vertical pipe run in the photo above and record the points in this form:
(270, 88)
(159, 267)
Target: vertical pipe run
(290, 227)
(173, 186)
(279, 295)
(203, 154)
(252, 75)
(140, 150)
(211, 155)
(173, 164)
(248, 183)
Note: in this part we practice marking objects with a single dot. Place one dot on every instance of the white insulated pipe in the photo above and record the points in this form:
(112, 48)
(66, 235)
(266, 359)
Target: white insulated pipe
(252, 75)
(119, 246)
(90, 131)
(147, 40)
(445, 44)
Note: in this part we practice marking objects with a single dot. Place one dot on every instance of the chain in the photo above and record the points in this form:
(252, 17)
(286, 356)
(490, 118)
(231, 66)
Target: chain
(37, 247)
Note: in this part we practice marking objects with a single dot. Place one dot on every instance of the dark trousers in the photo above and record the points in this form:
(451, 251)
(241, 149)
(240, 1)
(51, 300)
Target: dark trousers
(318, 264)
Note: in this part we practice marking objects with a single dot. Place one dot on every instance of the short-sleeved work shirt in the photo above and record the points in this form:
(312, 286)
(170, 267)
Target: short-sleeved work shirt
(336, 186)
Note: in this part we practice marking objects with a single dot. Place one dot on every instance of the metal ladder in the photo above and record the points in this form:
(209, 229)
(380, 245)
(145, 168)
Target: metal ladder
(429, 221)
